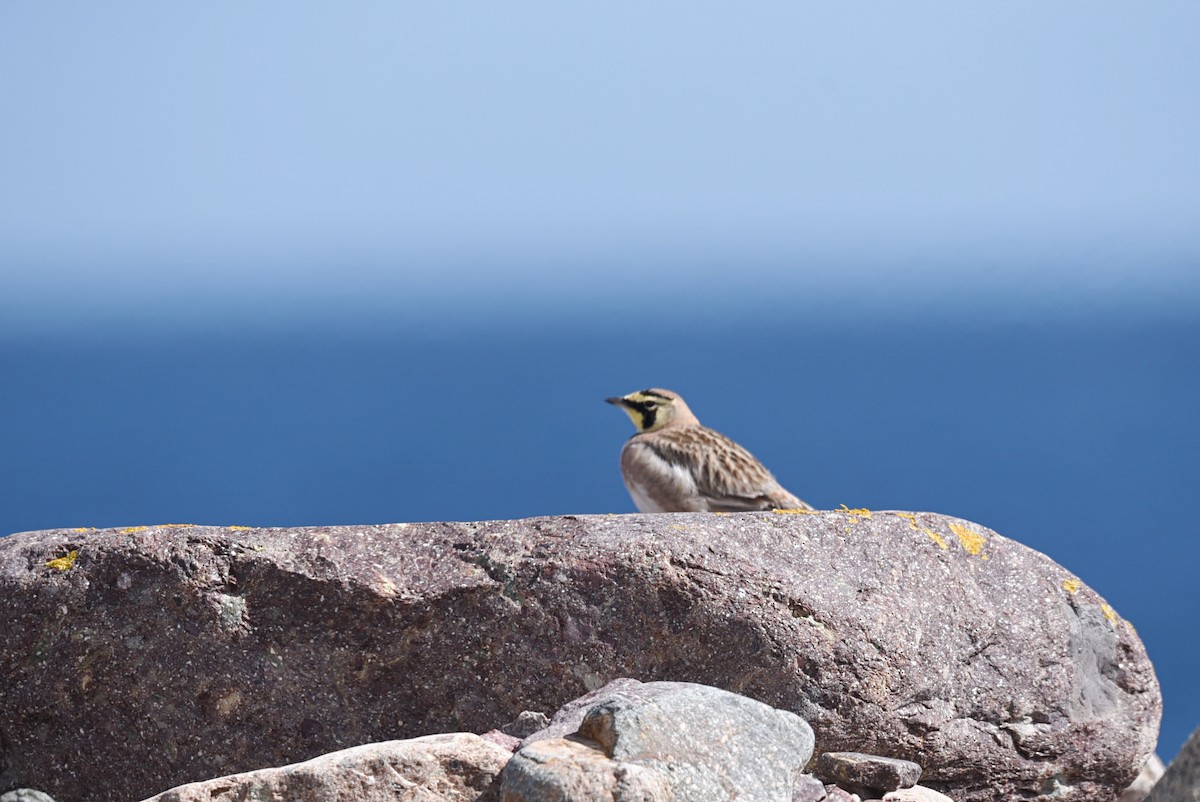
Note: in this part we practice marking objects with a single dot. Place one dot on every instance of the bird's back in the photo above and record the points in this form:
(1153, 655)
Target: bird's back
(694, 468)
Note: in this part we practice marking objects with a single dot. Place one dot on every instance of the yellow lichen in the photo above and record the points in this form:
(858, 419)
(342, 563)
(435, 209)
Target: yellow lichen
(64, 563)
(82, 529)
(239, 528)
(860, 511)
(132, 530)
(973, 542)
(1109, 613)
(931, 534)
(1072, 585)
(794, 511)
(936, 538)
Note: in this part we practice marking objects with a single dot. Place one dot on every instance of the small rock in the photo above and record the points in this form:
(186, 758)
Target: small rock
(436, 768)
(710, 744)
(25, 795)
(526, 724)
(503, 739)
(868, 775)
(808, 788)
(837, 794)
(575, 769)
(703, 743)
(918, 793)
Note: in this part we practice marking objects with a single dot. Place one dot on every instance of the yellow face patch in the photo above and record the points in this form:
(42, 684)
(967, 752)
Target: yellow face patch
(635, 415)
(647, 409)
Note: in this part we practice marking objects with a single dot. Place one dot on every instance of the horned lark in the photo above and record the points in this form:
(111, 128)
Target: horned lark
(673, 464)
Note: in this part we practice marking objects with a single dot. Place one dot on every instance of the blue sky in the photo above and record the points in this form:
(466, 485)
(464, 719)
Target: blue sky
(443, 153)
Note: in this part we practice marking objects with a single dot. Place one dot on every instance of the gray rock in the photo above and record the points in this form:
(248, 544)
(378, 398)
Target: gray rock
(454, 767)
(1181, 780)
(574, 769)
(704, 743)
(866, 775)
(169, 653)
(710, 744)
(526, 724)
(25, 795)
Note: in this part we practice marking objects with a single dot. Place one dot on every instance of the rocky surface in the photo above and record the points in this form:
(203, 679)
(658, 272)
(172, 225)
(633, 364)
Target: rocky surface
(1180, 782)
(866, 775)
(561, 769)
(456, 767)
(134, 660)
(699, 743)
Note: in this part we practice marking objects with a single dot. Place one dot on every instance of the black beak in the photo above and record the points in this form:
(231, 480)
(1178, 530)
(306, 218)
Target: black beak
(619, 402)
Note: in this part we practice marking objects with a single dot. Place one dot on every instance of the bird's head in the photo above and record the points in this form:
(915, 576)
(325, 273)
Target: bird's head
(651, 410)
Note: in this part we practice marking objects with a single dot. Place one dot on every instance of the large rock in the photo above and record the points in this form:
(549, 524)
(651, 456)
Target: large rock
(456, 767)
(134, 660)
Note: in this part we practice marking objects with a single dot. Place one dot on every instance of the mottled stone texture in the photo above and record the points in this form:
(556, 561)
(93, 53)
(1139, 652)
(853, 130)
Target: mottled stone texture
(163, 655)
(577, 770)
(704, 744)
(456, 767)
(866, 775)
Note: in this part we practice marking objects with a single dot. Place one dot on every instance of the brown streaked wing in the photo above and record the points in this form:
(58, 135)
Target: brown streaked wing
(727, 475)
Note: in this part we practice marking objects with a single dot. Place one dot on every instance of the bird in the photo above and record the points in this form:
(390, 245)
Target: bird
(674, 464)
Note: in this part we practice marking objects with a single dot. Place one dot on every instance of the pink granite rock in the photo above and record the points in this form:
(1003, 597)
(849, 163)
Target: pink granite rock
(132, 660)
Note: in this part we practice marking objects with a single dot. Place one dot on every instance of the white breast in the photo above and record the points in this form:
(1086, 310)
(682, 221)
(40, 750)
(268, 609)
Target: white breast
(673, 482)
(643, 502)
